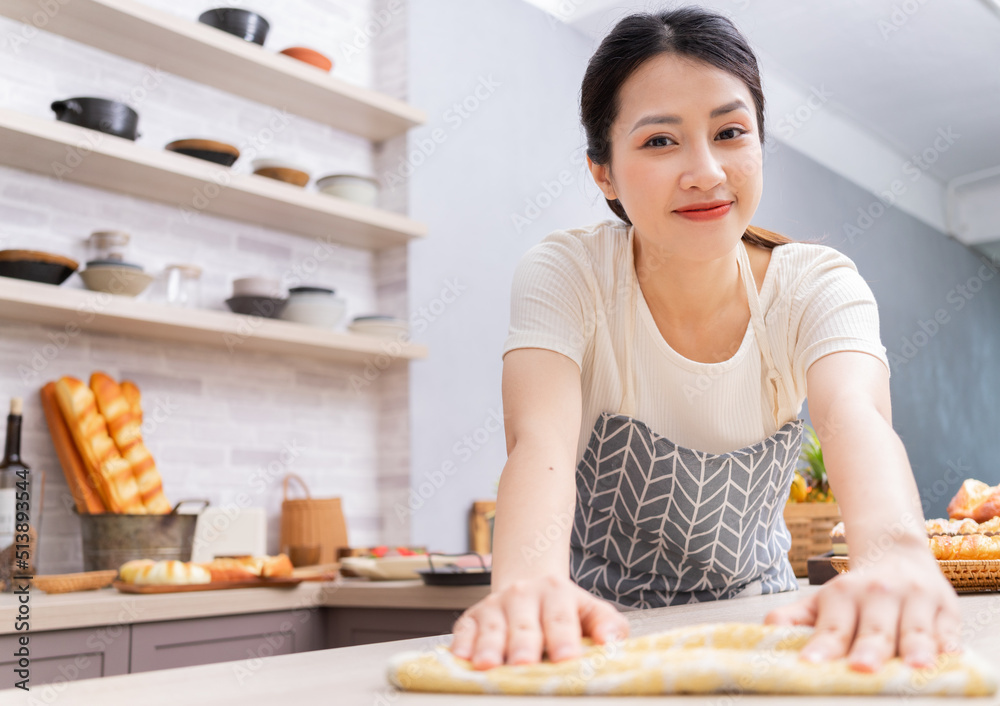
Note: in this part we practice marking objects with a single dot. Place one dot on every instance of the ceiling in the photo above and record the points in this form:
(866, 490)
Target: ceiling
(900, 77)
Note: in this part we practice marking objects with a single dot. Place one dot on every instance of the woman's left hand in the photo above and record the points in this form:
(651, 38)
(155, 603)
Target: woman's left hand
(899, 605)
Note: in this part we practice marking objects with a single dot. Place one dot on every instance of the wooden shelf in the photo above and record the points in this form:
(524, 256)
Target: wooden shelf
(66, 308)
(90, 157)
(204, 54)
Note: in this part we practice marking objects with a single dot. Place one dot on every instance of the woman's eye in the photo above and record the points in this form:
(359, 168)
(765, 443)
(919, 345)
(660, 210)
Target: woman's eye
(738, 130)
(657, 141)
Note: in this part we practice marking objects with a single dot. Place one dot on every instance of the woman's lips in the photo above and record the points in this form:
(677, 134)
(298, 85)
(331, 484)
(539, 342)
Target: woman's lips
(710, 214)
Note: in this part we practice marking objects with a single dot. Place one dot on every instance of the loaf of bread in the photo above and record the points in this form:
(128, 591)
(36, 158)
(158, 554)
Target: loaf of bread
(167, 572)
(126, 431)
(111, 474)
(975, 500)
(965, 546)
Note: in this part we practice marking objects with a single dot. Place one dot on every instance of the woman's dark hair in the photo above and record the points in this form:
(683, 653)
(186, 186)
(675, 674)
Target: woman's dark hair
(690, 32)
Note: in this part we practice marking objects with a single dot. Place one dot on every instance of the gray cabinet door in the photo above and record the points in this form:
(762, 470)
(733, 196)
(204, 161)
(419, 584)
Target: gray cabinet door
(67, 655)
(247, 638)
(346, 627)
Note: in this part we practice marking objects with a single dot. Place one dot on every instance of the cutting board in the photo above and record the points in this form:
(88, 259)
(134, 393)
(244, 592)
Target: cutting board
(320, 572)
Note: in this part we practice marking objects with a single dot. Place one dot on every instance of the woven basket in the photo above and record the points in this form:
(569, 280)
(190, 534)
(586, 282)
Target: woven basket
(67, 583)
(312, 522)
(809, 525)
(966, 575)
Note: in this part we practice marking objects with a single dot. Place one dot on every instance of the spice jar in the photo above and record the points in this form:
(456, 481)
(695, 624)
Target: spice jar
(108, 245)
(183, 285)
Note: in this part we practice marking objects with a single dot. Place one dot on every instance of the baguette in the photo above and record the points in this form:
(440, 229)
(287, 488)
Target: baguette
(276, 566)
(229, 569)
(81, 486)
(131, 393)
(127, 433)
(111, 474)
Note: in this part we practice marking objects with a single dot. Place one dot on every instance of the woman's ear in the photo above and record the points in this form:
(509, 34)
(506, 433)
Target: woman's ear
(602, 177)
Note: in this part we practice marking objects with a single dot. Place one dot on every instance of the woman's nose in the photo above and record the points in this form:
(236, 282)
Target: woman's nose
(702, 169)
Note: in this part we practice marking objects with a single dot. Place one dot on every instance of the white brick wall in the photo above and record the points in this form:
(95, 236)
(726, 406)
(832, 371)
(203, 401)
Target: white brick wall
(224, 419)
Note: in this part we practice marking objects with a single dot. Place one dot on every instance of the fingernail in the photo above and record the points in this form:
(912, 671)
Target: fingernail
(519, 657)
(864, 661)
(486, 658)
(562, 653)
(921, 659)
(812, 655)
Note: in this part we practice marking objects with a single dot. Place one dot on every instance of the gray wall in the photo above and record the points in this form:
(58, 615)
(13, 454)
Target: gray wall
(945, 380)
(486, 166)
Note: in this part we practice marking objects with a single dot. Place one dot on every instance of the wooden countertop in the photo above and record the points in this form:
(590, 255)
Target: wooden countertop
(110, 607)
(356, 675)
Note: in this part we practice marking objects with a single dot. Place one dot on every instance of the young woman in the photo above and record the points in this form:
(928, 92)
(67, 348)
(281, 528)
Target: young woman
(653, 376)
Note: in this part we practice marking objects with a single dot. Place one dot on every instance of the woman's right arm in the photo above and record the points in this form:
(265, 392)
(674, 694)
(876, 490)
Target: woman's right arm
(534, 605)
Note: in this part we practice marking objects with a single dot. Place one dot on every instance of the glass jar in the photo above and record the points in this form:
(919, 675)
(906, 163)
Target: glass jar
(104, 245)
(183, 285)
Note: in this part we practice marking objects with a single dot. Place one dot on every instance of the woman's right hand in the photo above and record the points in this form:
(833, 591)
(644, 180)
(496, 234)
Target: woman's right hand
(515, 624)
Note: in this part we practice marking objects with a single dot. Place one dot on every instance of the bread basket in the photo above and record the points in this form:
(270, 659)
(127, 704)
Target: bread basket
(67, 583)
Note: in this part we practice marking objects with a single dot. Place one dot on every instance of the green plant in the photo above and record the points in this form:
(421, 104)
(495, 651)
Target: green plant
(812, 466)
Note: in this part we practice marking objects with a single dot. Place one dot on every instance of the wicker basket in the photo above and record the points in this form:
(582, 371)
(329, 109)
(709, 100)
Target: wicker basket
(67, 583)
(809, 525)
(966, 575)
(312, 522)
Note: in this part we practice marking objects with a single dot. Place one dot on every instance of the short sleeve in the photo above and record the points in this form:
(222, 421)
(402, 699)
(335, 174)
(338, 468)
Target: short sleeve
(551, 295)
(833, 310)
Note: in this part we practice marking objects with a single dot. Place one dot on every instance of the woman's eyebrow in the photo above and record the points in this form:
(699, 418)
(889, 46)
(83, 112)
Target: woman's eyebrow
(676, 119)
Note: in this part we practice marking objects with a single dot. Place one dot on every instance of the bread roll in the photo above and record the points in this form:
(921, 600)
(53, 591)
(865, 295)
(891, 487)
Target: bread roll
(168, 572)
(969, 496)
(110, 473)
(127, 433)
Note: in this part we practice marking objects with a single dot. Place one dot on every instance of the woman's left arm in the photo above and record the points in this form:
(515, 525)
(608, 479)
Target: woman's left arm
(895, 600)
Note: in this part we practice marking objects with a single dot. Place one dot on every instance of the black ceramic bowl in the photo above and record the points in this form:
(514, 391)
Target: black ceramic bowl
(267, 307)
(108, 116)
(36, 266)
(243, 23)
(209, 150)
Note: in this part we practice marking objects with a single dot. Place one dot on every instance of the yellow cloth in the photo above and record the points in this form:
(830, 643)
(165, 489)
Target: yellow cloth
(721, 657)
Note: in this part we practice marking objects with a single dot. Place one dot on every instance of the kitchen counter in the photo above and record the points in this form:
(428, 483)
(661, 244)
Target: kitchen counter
(356, 675)
(110, 607)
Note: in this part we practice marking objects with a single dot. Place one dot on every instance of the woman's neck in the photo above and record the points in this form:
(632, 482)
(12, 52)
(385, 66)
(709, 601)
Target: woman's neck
(689, 294)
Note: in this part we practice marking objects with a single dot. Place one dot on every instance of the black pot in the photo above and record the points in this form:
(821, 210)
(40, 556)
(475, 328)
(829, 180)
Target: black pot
(243, 23)
(108, 116)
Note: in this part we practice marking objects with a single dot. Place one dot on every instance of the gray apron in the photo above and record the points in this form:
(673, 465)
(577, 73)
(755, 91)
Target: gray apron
(659, 524)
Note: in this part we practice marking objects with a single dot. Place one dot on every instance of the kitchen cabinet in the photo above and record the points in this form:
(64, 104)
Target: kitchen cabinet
(185, 643)
(203, 54)
(347, 627)
(68, 655)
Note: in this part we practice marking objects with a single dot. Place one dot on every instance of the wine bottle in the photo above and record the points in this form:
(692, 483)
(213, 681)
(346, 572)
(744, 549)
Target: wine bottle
(12, 470)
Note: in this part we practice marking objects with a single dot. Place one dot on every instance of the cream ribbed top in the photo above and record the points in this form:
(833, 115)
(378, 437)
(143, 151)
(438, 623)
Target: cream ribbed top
(570, 295)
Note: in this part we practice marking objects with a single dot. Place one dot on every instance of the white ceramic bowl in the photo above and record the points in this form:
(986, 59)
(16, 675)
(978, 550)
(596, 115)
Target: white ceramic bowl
(321, 309)
(353, 187)
(385, 327)
(114, 279)
(258, 286)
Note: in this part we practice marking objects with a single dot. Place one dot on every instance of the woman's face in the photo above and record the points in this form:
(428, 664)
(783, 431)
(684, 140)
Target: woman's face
(682, 138)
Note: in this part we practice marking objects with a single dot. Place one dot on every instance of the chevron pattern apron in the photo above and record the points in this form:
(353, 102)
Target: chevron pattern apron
(659, 524)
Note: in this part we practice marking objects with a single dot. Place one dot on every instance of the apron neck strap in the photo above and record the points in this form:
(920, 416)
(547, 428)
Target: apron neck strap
(780, 407)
